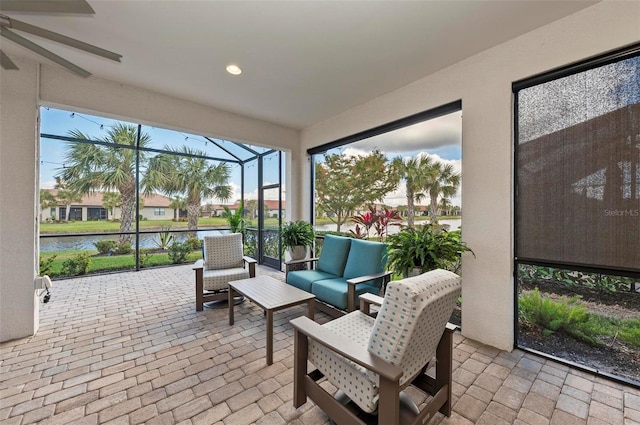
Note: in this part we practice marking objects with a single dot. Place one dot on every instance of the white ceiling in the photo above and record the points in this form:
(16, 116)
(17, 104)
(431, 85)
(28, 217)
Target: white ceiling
(303, 61)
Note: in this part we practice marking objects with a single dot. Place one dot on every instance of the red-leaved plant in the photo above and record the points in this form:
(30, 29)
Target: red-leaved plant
(379, 220)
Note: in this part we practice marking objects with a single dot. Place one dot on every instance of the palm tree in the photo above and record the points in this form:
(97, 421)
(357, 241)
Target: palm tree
(414, 172)
(178, 203)
(188, 173)
(110, 200)
(108, 167)
(445, 206)
(443, 181)
(66, 195)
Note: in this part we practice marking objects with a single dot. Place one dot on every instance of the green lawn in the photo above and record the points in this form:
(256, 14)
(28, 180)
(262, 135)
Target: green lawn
(109, 263)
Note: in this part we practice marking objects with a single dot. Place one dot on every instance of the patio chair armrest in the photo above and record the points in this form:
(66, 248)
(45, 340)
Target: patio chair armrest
(346, 348)
(367, 299)
(361, 279)
(370, 298)
(252, 265)
(198, 264)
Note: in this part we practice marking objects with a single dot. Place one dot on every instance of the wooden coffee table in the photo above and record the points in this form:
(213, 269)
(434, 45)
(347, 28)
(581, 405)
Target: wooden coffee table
(271, 295)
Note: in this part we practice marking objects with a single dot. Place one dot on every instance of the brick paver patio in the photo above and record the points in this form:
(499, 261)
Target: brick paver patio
(130, 348)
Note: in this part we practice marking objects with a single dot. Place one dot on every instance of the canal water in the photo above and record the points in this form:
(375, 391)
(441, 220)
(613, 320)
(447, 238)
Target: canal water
(151, 240)
(147, 240)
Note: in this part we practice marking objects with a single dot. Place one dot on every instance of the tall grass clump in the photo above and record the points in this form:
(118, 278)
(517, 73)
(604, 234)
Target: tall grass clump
(566, 315)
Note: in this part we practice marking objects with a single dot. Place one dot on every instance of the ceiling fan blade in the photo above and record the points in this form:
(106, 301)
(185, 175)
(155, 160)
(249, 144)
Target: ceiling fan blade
(54, 36)
(4, 32)
(47, 6)
(5, 62)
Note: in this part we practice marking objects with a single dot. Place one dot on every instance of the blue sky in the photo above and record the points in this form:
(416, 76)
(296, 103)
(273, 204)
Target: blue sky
(440, 138)
(60, 122)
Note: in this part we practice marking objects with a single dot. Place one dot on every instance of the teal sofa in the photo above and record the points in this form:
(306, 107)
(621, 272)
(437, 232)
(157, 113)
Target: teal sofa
(346, 269)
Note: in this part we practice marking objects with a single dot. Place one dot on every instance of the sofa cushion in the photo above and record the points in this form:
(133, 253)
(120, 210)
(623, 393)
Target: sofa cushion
(365, 258)
(334, 254)
(302, 279)
(334, 291)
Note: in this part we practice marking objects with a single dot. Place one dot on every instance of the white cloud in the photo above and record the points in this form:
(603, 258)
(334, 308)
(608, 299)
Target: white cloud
(427, 135)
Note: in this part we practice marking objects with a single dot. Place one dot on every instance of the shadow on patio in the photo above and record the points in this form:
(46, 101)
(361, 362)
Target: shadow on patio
(130, 348)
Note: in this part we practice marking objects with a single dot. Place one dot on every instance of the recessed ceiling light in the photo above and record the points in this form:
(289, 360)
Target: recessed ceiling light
(234, 70)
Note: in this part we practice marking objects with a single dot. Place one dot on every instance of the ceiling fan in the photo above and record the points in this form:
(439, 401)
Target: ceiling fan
(8, 26)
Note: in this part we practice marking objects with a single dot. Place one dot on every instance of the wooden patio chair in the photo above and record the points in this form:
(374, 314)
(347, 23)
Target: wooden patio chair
(223, 262)
(371, 361)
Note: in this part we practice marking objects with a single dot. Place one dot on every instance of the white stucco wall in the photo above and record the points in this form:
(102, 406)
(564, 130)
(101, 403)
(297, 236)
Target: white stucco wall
(19, 306)
(483, 82)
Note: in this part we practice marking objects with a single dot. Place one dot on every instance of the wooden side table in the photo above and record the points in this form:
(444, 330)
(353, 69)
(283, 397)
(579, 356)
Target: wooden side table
(271, 295)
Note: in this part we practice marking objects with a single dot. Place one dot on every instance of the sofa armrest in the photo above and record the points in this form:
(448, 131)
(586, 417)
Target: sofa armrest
(351, 286)
(304, 260)
(291, 265)
(386, 276)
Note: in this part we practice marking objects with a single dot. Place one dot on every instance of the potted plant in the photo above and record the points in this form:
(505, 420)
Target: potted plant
(418, 250)
(297, 236)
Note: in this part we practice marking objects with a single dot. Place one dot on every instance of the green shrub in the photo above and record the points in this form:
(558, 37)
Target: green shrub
(194, 243)
(630, 331)
(565, 315)
(123, 248)
(143, 257)
(77, 265)
(105, 246)
(573, 278)
(178, 252)
(46, 264)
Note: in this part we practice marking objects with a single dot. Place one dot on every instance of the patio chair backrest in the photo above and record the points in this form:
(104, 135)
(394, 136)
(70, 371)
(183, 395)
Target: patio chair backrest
(223, 251)
(412, 320)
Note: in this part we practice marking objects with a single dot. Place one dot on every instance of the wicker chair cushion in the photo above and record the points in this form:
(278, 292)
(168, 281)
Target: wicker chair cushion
(412, 319)
(223, 251)
(216, 280)
(342, 373)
